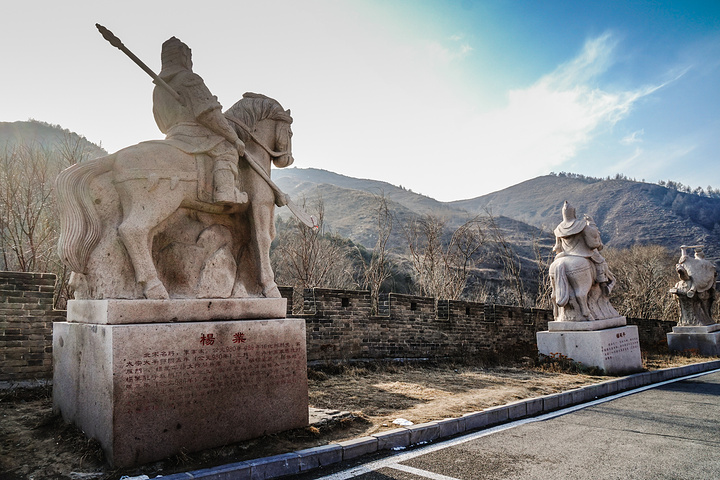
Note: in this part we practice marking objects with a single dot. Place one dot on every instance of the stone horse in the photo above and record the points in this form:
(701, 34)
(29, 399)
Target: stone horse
(576, 293)
(153, 182)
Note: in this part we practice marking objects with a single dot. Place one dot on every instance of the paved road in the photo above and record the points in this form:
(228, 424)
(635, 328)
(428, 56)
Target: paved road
(666, 432)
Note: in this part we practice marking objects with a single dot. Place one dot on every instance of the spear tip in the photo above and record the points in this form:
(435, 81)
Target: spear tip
(109, 36)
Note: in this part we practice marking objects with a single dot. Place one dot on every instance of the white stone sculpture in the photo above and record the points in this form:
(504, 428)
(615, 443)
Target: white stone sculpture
(580, 279)
(696, 289)
(190, 216)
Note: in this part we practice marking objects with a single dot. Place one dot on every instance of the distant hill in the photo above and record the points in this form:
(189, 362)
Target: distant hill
(34, 132)
(627, 212)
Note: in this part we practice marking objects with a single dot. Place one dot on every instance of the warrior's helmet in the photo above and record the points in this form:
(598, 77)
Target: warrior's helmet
(175, 56)
(570, 224)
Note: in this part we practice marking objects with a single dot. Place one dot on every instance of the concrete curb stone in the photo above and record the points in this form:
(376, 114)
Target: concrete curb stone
(497, 415)
(320, 456)
(399, 437)
(476, 420)
(450, 426)
(517, 410)
(275, 466)
(359, 446)
(304, 460)
(424, 432)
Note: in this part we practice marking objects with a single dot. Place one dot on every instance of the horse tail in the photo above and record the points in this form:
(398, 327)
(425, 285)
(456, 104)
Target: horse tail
(561, 285)
(80, 226)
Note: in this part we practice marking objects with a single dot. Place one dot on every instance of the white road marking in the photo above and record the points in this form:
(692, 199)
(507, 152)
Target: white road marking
(421, 473)
(395, 460)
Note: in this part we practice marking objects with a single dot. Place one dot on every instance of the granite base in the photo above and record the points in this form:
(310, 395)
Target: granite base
(149, 391)
(614, 350)
(705, 339)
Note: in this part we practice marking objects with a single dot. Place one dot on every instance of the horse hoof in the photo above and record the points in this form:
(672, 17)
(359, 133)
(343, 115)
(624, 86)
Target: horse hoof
(272, 292)
(156, 291)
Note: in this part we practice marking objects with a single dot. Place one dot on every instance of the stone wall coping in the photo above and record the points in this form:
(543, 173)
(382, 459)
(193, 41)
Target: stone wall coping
(303, 460)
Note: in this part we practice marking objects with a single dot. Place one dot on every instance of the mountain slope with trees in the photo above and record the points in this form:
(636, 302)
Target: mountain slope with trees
(627, 212)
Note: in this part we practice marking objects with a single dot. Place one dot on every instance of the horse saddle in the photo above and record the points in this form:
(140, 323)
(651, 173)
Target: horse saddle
(204, 166)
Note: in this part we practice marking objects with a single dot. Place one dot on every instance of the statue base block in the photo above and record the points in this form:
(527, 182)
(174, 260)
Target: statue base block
(703, 338)
(149, 391)
(587, 326)
(614, 350)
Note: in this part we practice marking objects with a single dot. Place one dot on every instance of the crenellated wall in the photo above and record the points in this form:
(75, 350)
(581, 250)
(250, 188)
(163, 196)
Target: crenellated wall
(339, 326)
(26, 318)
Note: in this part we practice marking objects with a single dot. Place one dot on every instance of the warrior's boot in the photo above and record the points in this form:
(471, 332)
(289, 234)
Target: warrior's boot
(603, 280)
(224, 189)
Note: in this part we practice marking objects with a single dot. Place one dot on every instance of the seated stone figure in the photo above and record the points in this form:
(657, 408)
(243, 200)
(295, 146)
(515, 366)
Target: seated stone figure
(696, 289)
(580, 278)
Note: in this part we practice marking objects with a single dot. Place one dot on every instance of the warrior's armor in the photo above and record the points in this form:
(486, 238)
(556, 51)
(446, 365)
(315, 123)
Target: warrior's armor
(198, 123)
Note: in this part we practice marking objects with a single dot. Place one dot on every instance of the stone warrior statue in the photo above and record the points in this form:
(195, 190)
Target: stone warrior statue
(567, 243)
(579, 276)
(696, 289)
(196, 123)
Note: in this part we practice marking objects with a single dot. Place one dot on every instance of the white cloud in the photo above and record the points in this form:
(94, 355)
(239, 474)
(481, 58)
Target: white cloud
(634, 137)
(549, 122)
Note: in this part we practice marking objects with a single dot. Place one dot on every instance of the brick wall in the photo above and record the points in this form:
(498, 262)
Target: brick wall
(26, 318)
(339, 326)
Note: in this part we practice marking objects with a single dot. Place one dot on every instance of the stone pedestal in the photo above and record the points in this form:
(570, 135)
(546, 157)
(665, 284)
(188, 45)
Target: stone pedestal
(147, 391)
(703, 338)
(615, 350)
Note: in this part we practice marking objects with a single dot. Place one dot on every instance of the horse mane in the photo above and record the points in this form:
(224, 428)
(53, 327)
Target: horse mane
(254, 107)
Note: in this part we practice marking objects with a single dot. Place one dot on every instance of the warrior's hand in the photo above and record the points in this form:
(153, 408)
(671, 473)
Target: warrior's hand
(240, 147)
(281, 199)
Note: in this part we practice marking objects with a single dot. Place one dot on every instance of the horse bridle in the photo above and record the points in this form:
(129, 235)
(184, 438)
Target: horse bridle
(247, 130)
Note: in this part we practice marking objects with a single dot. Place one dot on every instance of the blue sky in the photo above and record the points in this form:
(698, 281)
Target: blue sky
(452, 99)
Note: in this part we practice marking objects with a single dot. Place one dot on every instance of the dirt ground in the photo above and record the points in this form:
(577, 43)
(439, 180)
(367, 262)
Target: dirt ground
(35, 444)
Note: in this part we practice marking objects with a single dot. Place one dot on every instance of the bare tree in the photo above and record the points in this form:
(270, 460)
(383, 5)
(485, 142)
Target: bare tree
(307, 258)
(543, 261)
(377, 269)
(441, 267)
(512, 268)
(28, 224)
(644, 274)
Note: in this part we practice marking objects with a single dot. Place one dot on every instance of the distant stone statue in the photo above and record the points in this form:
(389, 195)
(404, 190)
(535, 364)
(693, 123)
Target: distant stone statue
(190, 216)
(696, 289)
(580, 278)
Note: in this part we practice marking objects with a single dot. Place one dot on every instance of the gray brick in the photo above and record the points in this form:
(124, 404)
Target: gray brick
(275, 466)
(450, 426)
(358, 447)
(424, 432)
(497, 415)
(475, 420)
(399, 437)
(233, 471)
(319, 456)
(551, 402)
(534, 406)
(517, 410)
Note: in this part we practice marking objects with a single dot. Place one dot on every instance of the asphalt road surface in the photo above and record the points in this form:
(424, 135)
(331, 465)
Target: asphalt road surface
(669, 431)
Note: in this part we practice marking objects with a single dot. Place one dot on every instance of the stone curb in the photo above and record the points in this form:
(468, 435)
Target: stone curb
(400, 438)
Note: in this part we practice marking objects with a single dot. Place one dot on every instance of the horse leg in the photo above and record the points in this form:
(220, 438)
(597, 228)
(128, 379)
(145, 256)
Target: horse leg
(583, 284)
(136, 231)
(262, 216)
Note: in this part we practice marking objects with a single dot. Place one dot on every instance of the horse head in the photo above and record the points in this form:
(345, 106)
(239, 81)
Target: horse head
(261, 119)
